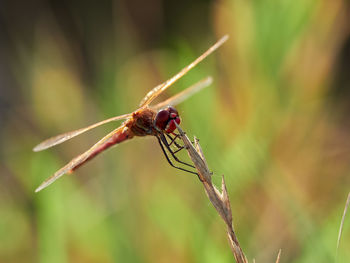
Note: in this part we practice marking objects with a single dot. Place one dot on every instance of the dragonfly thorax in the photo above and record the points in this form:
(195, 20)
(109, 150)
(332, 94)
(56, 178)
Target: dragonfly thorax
(166, 118)
(141, 122)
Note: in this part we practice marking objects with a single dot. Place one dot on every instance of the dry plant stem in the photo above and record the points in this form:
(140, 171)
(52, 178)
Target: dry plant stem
(278, 256)
(342, 224)
(219, 200)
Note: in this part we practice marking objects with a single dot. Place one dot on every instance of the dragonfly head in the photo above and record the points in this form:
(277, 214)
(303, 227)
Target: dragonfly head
(166, 118)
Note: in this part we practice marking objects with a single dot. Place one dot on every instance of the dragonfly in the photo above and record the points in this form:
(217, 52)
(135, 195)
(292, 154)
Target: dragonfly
(157, 120)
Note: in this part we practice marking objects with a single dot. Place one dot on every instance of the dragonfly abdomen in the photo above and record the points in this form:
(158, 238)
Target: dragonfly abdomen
(121, 134)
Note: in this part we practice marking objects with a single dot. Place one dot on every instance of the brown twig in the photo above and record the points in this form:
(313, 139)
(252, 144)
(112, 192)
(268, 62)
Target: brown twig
(219, 200)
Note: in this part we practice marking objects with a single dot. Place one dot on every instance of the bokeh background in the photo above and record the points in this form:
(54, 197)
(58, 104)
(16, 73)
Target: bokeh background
(275, 122)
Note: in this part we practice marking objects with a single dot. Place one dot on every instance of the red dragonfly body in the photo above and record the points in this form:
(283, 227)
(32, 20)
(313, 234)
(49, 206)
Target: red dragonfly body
(158, 121)
(141, 123)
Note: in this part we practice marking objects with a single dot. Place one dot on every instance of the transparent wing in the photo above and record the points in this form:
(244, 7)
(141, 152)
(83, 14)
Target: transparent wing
(69, 135)
(79, 159)
(160, 88)
(180, 97)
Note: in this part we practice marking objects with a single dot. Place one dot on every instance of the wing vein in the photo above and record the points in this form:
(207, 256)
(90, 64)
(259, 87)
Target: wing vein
(78, 160)
(160, 88)
(185, 94)
(69, 135)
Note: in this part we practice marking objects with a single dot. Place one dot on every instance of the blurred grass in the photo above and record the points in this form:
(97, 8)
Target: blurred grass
(272, 123)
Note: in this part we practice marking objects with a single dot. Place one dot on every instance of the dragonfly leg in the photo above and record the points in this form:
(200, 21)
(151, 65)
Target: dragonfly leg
(166, 144)
(173, 140)
(168, 159)
(180, 147)
(178, 135)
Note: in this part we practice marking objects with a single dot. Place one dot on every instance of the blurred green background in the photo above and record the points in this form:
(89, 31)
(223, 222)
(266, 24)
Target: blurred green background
(275, 122)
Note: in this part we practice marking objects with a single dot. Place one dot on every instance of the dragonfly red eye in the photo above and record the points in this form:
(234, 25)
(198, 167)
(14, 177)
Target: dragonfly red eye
(165, 119)
(173, 112)
(162, 119)
(171, 125)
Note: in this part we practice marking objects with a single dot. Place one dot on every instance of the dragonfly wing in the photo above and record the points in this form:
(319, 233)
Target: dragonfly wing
(160, 88)
(69, 135)
(116, 136)
(180, 97)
